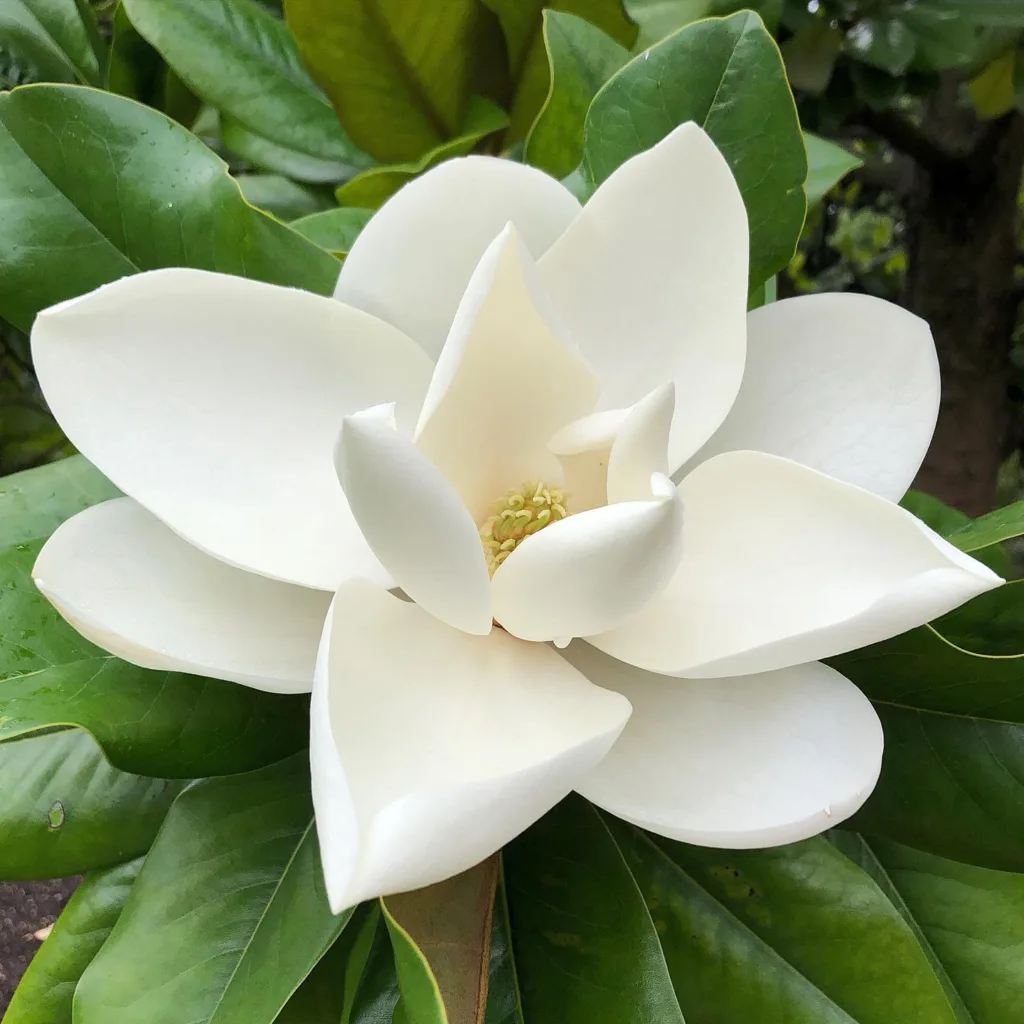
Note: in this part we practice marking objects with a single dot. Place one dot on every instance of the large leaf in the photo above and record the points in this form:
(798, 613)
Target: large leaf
(727, 75)
(994, 528)
(243, 61)
(586, 947)
(228, 915)
(46, 41)
(65, 810)
(45, 993)
(521, 22)
(111, 187)
(954, 730)
(581, 59)
(827, 165)
(398, 71)
(163, 724)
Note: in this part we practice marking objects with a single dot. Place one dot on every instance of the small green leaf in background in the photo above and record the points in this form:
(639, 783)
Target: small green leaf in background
(521, 22)
(229, 914)
(399, 72)
(993, 528)
(334, 230)
(47, 41)
(992, 92)
(586, 947)
(281, 197)
(45, 993)
(581, 59)
(372, 187)
(113, 187)
(883, 42)
(827, 165)
(243, 61)
(727, 75)
(65, 810)
(811, 55)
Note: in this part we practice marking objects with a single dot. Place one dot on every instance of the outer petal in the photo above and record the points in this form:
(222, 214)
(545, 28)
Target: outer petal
(651, 280)
(129, 584)
(503, 385)
(431, 749)
(410, 264)
(783, 565)
(589, 572)
(215, 402)
(744, 762)
(414, 521)
(847, 384)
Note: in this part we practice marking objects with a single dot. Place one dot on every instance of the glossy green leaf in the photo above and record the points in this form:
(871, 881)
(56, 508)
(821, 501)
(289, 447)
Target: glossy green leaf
(581, 58)
(65, 810)
(1001, 525)
(954, 729)
(586, 947)
(163, 724)
(281, 197)
(334, 230)
(372, 187)
(35, 502)
(398, 71)
(46, 41)
(827, 165)
(45, 993)
(228, 915)
(521, 22)
(240, 59)
(504, 1003)
(420, 1000)
(112, 187)
(693, 76)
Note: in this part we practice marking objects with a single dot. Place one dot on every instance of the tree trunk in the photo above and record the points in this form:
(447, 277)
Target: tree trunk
(963, 251)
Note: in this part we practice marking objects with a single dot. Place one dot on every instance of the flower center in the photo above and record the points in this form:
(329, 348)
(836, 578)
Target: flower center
(518, 515)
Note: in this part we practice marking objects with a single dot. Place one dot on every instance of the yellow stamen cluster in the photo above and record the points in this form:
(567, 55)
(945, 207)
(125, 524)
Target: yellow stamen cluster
(520, 514)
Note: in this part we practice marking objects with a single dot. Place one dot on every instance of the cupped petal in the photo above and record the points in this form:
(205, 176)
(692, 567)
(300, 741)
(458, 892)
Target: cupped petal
(783, 565)
(414, 521)
(411, 263)
(589, 572)
(651, 280)
(846, 384)
(739, 763)
(504, 383)
(129, 584)
(215, 402)
(430, 749)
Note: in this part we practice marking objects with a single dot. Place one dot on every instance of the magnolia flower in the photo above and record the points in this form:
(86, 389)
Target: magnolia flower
(507, 597)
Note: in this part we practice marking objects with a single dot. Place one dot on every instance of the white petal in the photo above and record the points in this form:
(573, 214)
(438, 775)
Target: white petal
(215, 402)
(503, 385)
(589, 572)
(130, 585)
(783, 565)
(414, 521)
(431, 749)
(411, 263)
(651, 280)
(844, 383)
(740, 763)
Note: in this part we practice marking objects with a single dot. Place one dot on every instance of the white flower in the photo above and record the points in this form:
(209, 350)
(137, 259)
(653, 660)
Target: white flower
(507, 384)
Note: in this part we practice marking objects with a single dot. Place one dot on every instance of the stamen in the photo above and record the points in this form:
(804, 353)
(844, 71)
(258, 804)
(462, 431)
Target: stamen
(519, 515)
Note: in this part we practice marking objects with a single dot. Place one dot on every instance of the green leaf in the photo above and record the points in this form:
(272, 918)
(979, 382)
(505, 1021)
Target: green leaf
(504, 1004)
(994, 528)
(65, 810)
(281, 197)
(112, 187)
(992, 91)
(372, 187)
(827, 165)
(978, 12)
(521, 22)
(811, 55)
(420, 1001)
(35, 502)
(334, 230)
(228, 915)
(164, 724)
(240, 59)
(46, 41)
(398, 71)
(581, 58)
(954, 731)
(45, 993)
(271, 156)
(586, 947)
(660, 18)
(884, 42)
(727, 75)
